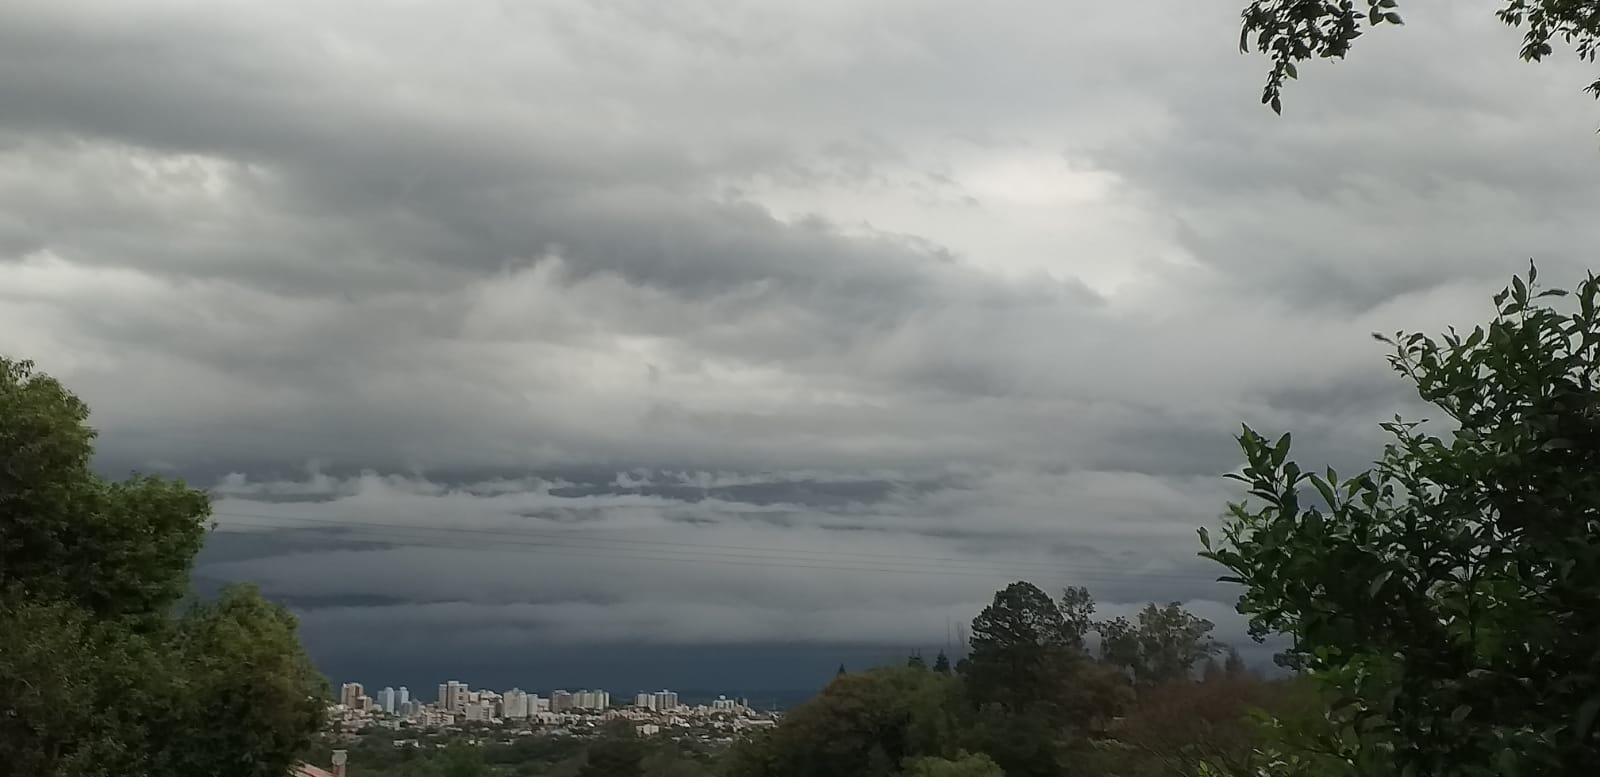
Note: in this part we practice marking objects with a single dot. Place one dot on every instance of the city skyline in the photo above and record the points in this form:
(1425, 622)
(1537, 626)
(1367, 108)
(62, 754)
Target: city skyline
(457, 704)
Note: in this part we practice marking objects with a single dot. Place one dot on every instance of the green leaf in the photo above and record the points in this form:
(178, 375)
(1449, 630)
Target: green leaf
(1584, 720)
(1507, 762)
(1460, 713)
(1205, 538)
(1324, 488)
(1378, 582)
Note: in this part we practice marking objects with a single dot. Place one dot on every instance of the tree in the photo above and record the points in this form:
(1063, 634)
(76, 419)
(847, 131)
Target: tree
(962, 765)
(1293, 31)
(1448, 594)
(861, 724)
(1182, 728)
(941, 663)
(1018, 642)
(1164, 646)
(97, 677)
(114, 549)
(1234, 665)
(1035, 691)
(1171, 641)
(916, 662)
(841, 672)
(1077, 616)
(247, 689)
(617, 755)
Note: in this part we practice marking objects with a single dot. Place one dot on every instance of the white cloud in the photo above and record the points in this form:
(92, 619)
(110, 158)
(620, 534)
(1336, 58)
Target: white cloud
(1003, 280)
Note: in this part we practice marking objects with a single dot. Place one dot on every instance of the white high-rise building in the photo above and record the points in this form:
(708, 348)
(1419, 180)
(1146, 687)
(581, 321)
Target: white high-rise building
(454, 696)
(402, 697)
(723, 703)
(591, 700)
(666, 701)
(646, 701)
(350, 695)
(479, 712)
(514, 704)
(386, 700)
(536, 705)
(560, 701)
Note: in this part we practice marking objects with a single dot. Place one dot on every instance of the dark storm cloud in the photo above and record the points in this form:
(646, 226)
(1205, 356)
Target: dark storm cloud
(937, 296)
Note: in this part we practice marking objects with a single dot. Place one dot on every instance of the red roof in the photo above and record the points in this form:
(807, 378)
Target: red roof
(307, 770)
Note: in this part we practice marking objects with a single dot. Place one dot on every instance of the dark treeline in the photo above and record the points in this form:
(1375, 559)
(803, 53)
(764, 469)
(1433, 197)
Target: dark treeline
(1045, 690)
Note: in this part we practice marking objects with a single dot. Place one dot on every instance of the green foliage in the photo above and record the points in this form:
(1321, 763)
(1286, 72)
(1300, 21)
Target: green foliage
(1021, 653)
(115, 549)
(1451, 594)
(1293, 31)
(941, 663)
(1164, 646)
(963, 765)
(865, 723)
(1077, 616)
(71, 689)
(915, 661)
(1024, 745)
(1179, 727)
(96, 675)
(250, 698)
(1029, 701)
(1234, 665)
(617, 755)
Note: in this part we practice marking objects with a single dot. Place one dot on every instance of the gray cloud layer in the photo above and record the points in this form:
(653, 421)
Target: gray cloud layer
(985, 290)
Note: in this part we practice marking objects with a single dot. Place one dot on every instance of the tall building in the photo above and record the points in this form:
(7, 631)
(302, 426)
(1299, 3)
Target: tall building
(350, 694)
(646, 701)
(724, 704)
(591, 700)
(560, 701)
(402, 698)
(514, 704)
(386, 700)
(666, 700)
(454, 696)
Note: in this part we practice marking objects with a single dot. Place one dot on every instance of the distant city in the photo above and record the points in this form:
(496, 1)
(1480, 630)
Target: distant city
(456, 705)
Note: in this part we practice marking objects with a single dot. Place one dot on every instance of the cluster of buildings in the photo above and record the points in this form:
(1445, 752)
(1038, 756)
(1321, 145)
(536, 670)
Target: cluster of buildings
(456, 704)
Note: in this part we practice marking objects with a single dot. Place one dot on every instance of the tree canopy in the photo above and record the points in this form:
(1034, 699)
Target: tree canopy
(1449, 595)
(1165, 644)
(1293, 31)
(864, 723)
(98, 676)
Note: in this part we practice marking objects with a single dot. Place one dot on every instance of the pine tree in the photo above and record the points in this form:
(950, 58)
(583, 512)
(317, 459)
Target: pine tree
(841, 672)
(941, 663)
(916, 662)
(1233, 665)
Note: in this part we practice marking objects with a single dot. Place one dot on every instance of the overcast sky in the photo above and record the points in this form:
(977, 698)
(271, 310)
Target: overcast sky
(601, 341)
